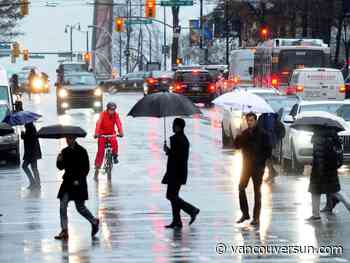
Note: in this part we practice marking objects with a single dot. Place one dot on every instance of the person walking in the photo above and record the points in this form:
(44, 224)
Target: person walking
(176, 174)
(74, 160)
(256, 149)
(324, 174)
(32, 153)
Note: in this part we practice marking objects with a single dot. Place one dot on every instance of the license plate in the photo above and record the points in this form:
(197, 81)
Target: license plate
(196, 88)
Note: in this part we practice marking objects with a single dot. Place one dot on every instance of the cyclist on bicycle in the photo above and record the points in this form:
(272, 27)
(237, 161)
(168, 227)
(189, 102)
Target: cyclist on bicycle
(106, 126)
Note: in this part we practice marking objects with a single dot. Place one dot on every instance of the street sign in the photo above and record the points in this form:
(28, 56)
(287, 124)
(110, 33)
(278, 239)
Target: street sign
(36, 56)
(65, 55)
(138, 21)
(176, 3)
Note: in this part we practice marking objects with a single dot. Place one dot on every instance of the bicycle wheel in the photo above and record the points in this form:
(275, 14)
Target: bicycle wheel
(109, 164)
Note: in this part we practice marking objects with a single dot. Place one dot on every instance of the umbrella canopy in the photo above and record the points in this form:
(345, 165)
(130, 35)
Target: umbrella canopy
(318, 120)
(61, 131)
(243, 101)
(21, 118)
(164, 104)
(5, 129)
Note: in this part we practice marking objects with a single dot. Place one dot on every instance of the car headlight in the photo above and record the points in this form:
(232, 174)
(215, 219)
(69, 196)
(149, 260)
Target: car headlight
(63, 93)
(98, 92)
(303, 138)
(38, 84)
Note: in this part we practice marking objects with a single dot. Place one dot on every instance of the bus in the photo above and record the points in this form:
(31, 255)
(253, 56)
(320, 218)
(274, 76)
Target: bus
(276, 59)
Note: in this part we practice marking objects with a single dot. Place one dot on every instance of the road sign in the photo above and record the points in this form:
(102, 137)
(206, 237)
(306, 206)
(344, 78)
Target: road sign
(138, 21)
(176, 3)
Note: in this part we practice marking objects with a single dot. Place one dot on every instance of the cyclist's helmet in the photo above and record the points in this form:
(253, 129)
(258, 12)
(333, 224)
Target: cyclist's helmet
(111, 106)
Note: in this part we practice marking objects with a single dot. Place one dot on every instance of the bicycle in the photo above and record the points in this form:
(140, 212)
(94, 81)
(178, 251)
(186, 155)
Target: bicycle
(108, 162)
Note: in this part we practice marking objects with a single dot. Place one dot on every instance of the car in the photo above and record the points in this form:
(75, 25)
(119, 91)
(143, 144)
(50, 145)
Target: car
(79, 90)
(317, 84)
(131, 81)
(158, 81)
(196, 84)
(296, 146)
(9, 144)
(233, 121)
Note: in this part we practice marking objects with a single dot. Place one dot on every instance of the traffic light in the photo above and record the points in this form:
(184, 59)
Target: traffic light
(264, 32)
(24, 7)
(150, 8)
(87, 57)
(178, 61)
(25, 54)
(15, 50)
(119, 24)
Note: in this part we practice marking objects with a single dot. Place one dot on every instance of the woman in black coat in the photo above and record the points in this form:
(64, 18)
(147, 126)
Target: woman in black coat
(32, 153)
(324, 175)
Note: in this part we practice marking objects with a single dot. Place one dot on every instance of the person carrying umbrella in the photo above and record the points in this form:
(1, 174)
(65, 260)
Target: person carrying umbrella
(32, 153)
(74, 160)
(327, 148)
(176, 174)
(256, 149)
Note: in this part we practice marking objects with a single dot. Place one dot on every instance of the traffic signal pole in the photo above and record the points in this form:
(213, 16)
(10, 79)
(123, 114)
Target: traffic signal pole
(164, 40)
(227, 34)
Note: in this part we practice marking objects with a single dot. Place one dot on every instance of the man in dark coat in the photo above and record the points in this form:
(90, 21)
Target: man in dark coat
(324, 174)
(32, 153)
(256, 149)
(74, 160)
(176, 174)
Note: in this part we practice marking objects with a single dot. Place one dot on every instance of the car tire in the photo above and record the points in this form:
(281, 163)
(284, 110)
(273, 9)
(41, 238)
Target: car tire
(227, 141)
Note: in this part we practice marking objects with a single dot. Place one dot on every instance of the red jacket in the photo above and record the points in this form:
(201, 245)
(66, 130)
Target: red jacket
(106, 124)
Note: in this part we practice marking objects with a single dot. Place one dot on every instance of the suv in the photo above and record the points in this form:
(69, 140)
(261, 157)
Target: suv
(9, 144)
(297, 147)
(196, 84)
(79, 90)
(158, 81)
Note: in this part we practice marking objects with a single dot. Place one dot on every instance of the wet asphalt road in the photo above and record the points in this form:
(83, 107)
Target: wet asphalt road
(133, 210)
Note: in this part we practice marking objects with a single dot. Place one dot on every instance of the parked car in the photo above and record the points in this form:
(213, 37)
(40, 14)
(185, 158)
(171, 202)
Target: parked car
(233, 121)
(317, 84)
(158, 81)
(9, 144)
(297, 147)
(79, 90)
(196, 84)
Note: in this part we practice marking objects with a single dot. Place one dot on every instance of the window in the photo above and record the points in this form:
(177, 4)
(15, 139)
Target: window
(81, 80)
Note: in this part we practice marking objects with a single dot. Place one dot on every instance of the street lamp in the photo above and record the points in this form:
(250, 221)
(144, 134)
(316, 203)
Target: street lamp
(71, 28)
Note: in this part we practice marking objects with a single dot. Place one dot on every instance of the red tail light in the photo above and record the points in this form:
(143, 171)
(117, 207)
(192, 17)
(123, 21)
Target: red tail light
(274, 82)
(211, 88)
(178, 87)
(152, 81)
(300, 88)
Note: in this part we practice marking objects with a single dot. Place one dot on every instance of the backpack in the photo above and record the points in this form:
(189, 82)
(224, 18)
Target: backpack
(267, 122)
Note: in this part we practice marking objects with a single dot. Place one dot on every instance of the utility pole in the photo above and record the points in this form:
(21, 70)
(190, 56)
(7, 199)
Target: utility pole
(71, 43)
(201, 24)
(164, 40)
(227, 34)
(128, 32)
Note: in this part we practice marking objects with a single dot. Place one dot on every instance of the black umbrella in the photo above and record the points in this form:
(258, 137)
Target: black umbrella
(61, 131)
(5, 129)
(314, 123)
(162, 105)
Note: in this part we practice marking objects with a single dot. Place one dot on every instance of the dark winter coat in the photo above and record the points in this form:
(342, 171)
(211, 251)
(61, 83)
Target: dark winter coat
(256, 150)
(177, 160)
(324, 175)
(75, 162)
(32, 150)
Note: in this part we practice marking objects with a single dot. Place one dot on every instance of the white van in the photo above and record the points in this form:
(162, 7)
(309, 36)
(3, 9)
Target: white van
(317, 84)
(241, 66)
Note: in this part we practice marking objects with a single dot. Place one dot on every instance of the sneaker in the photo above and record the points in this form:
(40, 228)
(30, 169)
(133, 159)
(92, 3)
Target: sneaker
(115, 159)
(62, 236)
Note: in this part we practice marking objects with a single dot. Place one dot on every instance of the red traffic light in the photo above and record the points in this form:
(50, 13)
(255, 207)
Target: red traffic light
(264, 32)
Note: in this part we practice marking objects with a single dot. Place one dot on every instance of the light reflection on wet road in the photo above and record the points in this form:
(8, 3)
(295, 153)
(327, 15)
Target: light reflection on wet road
(133, 209)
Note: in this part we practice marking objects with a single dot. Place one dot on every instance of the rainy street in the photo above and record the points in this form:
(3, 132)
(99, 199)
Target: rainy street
(133, 210)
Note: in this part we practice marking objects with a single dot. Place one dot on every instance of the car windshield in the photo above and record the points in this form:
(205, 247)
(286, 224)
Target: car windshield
(81, 80)
(4, 110)
(344, 112)
(330, 108)
(74, 67)
(162, 74)
(283, 102)
(194, 76)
